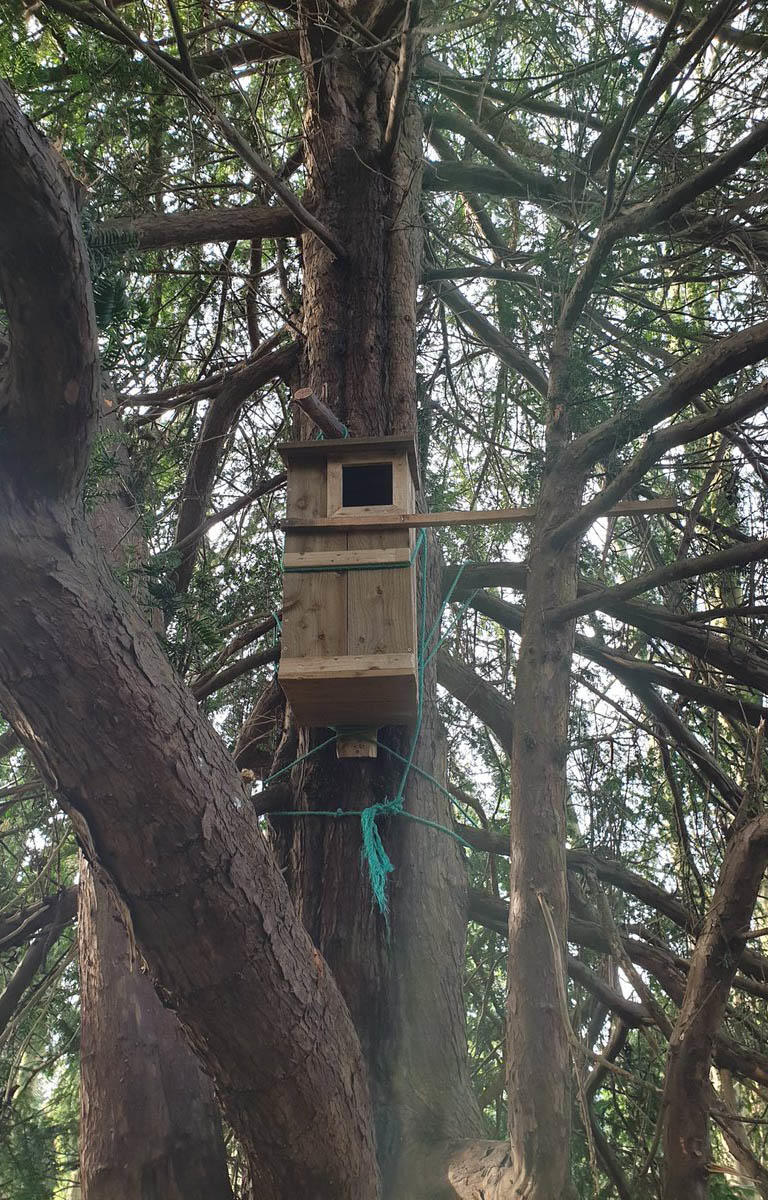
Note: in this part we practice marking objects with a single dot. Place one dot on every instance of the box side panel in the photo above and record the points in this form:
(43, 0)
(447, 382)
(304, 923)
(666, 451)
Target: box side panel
(314, 603)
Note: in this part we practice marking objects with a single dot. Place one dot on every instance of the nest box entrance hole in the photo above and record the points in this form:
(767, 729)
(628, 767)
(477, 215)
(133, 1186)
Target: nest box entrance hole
(366, 484)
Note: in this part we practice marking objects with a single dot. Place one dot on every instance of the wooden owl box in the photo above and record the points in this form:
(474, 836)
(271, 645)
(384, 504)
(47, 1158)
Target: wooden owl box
(349, 640)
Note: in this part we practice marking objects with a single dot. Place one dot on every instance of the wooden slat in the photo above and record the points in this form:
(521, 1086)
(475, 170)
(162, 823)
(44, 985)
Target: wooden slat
(347, 558)
(379, 606)
(348, 666)
(492, 516)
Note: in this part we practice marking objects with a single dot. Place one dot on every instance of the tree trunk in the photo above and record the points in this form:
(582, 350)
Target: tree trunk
(715, 958)
(149, 1126)
(537, 1035)
(403, 988)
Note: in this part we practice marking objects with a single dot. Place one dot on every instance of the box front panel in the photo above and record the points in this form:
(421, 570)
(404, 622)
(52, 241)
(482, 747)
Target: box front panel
(314, 603)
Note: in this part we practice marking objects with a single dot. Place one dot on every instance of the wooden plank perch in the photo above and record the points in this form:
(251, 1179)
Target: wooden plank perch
(493, 516)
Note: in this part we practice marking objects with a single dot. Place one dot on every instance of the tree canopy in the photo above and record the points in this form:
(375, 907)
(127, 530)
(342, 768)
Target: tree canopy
(580, 194)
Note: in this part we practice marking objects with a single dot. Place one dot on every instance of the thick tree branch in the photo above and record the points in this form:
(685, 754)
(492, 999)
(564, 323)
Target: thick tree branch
(691, 46)
(501, 346)
(17, 928)
(159, 231)
(686, 568)
(476, 694)
(746, 668)
(26, 970)
(8, 743)
(490, 181)
(730, 34)
(283, 43)
(713, 966)
(642, 217)
(657, 444)
(171, 68)
(234, 671)
(49, 392)
(666, 967)
(403, 72)
(210, 447)
(721, 358)
(182, 869)
(534, 185)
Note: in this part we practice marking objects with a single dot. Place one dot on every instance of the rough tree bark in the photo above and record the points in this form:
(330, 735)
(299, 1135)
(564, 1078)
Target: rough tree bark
(149, 1125)
(715, 959)
(403, 990)
(156, 799)
(537, 1037)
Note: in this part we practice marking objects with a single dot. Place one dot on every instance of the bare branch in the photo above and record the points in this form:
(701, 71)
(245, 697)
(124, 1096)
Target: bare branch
(234, 671)
(686, 568)
(403, 72)
(501, 346)
(210, 446)
(265, 488)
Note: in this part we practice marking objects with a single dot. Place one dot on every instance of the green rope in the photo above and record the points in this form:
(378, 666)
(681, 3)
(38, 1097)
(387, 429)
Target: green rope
(296, 762)
(337, 813)
(321, 436)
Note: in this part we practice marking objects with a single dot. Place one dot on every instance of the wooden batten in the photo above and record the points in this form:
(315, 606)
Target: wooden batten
(385, 556)
(360, 519)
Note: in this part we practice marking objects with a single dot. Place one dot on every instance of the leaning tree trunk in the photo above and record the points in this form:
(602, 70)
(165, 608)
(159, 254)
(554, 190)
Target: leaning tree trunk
(156, 799)
(149, 1126)
(403, 988)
